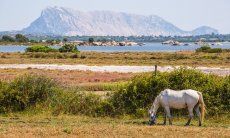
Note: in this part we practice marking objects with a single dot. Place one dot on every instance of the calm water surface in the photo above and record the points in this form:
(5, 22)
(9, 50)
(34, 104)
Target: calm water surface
(149, 47)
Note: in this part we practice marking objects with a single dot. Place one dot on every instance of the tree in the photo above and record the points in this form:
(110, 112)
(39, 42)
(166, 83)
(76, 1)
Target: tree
(7, 38)
(91, 40)
(21, 38)
(65, 40)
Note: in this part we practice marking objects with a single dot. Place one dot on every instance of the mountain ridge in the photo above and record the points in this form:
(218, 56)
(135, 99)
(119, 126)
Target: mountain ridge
(66, 21)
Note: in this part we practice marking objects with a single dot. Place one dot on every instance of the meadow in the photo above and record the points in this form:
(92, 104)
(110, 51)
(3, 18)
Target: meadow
(45, 125)
(188, 58)
(38, 103)
(70, 103)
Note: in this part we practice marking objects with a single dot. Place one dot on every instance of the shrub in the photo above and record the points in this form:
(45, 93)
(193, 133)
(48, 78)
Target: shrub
(68, 48)
(74, 102)
(142, 90)
(138, 94)
(215, 50)
(208, 49)
(40, 48)
(203, 49)
(25, 91)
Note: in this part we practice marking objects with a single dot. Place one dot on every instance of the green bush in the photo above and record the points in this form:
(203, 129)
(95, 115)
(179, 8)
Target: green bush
(68, 48)
(208, 49)
(203, 49)
(24, 92)
(40, 48)
(215, 50)
(142, 90)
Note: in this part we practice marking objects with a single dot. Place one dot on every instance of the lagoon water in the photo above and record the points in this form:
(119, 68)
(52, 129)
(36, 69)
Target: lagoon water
(149, 47)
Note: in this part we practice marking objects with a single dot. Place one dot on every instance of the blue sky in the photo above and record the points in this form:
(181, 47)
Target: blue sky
(186, 14)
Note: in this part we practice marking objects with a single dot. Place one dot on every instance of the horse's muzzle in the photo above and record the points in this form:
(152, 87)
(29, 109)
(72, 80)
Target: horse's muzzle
(151, 122)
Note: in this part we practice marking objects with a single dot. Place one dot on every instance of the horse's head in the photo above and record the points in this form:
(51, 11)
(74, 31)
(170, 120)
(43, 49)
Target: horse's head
(152, 120)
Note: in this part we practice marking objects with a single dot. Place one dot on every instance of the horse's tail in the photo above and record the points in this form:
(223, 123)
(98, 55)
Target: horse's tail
(202, 106)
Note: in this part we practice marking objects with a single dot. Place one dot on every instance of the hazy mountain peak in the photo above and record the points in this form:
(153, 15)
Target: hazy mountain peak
(204, 30)
(65, 21)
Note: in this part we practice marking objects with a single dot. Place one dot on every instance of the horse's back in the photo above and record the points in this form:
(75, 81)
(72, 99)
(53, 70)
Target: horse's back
(179, 99)
(181, 93)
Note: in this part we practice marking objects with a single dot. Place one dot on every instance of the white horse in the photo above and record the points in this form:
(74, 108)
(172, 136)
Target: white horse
(190, 99)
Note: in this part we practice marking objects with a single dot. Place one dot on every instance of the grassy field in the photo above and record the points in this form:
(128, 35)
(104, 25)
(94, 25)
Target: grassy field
(45, 125)
(39, 122)
(126, 58)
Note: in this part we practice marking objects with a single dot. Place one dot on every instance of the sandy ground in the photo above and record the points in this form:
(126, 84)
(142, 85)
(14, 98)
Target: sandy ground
(120, 69)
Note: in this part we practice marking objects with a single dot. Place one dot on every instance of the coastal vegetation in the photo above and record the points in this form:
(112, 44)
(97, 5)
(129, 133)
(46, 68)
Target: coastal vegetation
(124, 58)
(69, 48)
(132, 98)
(40, 48)
(208, 49)
(64, 49)
(56, 40)
(45, 106)
(8, 39)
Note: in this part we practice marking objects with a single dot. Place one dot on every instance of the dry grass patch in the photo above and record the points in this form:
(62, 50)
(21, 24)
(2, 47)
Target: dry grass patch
(81, 126)
(125, 58)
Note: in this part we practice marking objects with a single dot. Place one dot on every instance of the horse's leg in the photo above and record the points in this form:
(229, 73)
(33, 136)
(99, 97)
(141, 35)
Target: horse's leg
(190, 110)
(165, 117)
(198, 113)
(168, 115)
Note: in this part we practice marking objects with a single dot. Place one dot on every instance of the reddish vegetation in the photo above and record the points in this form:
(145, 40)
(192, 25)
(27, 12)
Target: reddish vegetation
(67, 77)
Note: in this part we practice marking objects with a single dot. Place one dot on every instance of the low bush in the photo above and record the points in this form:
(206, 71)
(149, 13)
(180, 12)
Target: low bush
(24, 92)
(40, 48)
(142, 90)
(203, 49)
(208, 49)
(69, 48)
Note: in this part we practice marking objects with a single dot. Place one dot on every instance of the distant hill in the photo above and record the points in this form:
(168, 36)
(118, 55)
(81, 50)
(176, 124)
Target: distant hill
(65, 21)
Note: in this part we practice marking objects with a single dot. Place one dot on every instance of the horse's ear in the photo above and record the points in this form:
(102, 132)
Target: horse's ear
(150, 111)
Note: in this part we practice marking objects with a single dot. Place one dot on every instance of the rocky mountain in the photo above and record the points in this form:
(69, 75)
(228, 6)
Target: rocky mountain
(64, 21)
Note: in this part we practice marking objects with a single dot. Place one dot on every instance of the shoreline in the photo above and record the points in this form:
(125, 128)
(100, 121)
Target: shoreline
(113, 68)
